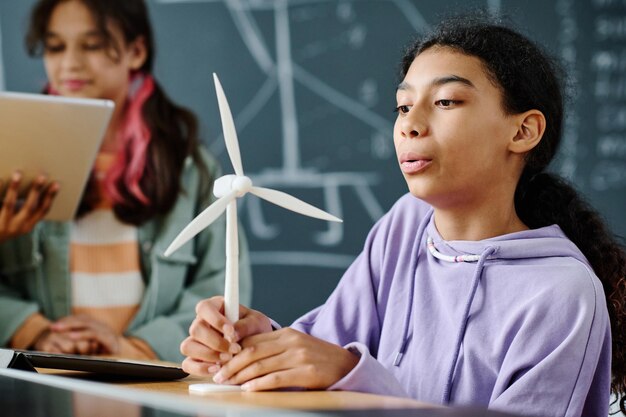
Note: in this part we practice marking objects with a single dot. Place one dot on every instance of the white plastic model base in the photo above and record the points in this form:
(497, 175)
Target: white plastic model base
(211, 387)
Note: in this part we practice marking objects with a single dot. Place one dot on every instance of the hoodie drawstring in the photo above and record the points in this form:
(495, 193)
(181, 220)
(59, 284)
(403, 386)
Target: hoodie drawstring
(461, 333)
(480, 259)
(409, 307)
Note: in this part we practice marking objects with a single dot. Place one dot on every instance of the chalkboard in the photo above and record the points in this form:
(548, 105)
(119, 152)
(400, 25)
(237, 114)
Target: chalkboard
(311, 84)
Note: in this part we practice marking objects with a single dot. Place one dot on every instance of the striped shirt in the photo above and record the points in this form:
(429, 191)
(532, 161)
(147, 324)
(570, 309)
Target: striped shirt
(104, 261)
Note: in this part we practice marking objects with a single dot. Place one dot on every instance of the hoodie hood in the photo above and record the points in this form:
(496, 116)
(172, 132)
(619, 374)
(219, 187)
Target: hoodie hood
(545, 242)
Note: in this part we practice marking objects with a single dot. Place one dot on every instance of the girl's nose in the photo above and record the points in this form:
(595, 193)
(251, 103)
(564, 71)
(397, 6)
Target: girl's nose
(72, 58)
(411, 133)
(412, 126)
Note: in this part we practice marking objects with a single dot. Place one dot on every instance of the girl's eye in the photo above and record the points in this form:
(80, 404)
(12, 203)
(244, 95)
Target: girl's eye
(402, 109)
(93, 46)
(446, 103)
(53, 48)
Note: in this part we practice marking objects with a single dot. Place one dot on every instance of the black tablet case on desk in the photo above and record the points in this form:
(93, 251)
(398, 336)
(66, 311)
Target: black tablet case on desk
(29, 360)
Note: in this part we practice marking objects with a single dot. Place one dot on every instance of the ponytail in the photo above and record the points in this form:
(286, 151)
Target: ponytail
(174, 133)
(544, 199)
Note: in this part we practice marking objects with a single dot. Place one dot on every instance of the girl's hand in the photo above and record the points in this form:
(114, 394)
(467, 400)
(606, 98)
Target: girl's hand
(287, 358)
(18, 219)
(213, 339)
(84, 329)
(54, 342)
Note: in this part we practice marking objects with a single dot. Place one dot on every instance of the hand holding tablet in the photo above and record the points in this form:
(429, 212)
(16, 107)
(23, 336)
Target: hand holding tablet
(53, 136)
(19, 214)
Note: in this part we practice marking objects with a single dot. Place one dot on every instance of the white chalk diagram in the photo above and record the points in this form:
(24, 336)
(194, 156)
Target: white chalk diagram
(281, 73)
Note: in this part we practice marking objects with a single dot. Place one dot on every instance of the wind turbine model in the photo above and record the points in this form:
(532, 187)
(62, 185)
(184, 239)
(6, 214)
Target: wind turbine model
(227, 189)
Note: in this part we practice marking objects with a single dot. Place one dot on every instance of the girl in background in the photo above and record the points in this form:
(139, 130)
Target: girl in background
(100, 284)
(492, 283)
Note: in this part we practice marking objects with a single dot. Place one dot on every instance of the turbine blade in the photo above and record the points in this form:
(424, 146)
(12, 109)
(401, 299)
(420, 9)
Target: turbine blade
(201, 221)
(228, 126)
(292, 203)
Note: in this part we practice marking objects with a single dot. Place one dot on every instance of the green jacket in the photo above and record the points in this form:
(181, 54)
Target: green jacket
(34, 271)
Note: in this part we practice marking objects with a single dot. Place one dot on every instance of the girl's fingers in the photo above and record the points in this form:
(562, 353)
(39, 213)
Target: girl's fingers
(272, 336)
(82, 342)
(65, 344)
(259, 368)
(37, 203)
(280, 379)
(9, 201)
(107, 339)
(211, 311)
(83, 347)
(69, 323)
(199, 368)
(4, 220)
(252, 323)
(43, 345)
(32, 198)
(10, 198)
(202, 333)
(267, 357)
(78, 335)
(77, 322)
(246, 358)
(51, 347)
(48, 198)
(197, 351)
(16, 220)
(94, 347)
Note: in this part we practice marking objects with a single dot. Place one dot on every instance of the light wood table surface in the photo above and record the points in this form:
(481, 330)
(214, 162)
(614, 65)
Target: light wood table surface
(297, 400)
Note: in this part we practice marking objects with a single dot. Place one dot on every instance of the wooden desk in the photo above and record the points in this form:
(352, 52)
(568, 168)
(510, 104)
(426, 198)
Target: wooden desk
(301, 400)
(75, 394)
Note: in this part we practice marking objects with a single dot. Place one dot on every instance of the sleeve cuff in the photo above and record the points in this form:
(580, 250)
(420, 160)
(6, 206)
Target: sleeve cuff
(275, 325)
(368, 375)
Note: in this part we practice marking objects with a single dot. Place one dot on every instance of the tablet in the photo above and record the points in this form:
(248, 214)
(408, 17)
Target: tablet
(123, 368)
(57, 136)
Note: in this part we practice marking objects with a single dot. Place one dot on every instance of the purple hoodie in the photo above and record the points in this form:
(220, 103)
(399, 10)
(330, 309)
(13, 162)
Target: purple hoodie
(522, 327)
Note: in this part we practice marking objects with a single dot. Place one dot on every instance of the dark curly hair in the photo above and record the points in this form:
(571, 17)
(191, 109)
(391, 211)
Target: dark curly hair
(173, 128)
(529, 79)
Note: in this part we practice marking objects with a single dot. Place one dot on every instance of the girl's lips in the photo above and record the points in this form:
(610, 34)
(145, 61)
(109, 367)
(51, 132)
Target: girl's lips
(74, 85)
(413, 167)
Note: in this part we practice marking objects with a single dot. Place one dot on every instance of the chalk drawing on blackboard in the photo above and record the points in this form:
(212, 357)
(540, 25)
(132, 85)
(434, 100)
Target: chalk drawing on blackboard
(281, 74)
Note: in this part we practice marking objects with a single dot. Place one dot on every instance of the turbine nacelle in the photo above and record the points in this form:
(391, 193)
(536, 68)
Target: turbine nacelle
(226, 184)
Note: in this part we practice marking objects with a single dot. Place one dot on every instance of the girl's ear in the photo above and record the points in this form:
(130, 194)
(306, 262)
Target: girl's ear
(138, 53)
(531, 126)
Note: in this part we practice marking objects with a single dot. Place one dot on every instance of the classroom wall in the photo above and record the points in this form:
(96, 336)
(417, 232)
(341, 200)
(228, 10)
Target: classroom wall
(311, 84)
